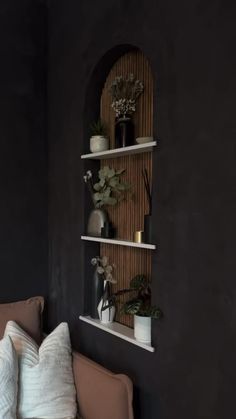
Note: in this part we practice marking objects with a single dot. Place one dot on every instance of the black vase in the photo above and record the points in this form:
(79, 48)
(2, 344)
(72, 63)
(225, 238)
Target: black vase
(124, 132)
(96, 293)
(148, 228)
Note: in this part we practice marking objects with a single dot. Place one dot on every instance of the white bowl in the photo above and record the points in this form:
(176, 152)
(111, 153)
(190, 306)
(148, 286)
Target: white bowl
(143, 140)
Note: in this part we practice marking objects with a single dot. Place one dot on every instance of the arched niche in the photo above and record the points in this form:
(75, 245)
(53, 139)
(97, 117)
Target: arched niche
(128, 216)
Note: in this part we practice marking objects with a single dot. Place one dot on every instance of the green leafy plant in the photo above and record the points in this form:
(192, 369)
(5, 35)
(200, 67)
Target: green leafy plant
(141, 303)
(98, 128)
(110, 189)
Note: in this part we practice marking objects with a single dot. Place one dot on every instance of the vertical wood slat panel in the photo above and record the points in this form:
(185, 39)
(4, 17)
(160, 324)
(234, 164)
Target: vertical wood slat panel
(128, 216)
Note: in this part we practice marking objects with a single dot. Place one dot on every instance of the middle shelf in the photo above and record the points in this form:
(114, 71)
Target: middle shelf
(120, 242)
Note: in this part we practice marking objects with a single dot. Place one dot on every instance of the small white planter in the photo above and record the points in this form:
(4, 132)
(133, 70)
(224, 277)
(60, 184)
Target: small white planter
(142, 329)
(98, 143)
(106, 316)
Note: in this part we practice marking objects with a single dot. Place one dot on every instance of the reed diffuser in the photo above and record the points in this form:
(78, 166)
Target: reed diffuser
(148, 216)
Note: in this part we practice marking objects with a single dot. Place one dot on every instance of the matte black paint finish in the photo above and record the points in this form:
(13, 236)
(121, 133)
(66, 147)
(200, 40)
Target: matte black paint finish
(190, 45)
(23, 153)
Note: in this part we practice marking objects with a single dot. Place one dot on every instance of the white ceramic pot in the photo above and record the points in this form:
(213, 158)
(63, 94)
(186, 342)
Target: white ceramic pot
(106, 316)
(98, 143)
(142, 329)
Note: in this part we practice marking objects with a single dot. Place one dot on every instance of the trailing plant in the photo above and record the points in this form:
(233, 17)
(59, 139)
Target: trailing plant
(141, 303)
(124, 93)
(98, 128)
(109, 190)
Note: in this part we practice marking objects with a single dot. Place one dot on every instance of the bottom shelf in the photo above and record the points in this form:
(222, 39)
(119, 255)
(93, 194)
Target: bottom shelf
(119, 330)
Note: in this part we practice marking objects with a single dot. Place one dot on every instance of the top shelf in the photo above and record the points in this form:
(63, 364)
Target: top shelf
(119, 152)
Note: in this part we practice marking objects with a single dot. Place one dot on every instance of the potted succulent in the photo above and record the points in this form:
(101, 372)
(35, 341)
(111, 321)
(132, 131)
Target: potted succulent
(109, 190)
(125, 93)
(98, 140)
(140, 307)
(104, 270)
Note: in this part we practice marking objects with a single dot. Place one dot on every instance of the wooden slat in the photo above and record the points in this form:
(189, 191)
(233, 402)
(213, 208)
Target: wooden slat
(128, 216)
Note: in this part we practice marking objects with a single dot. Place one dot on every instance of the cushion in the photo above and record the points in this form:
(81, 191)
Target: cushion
(46, 387)
(8, 379)
(26, 313)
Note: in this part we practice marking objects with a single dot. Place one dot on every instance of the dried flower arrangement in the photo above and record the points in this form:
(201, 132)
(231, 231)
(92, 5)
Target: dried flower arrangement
(109, 190)
(124, 93)
(103, 268)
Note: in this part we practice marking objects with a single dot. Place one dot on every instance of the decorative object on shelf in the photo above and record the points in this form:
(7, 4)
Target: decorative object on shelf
(96, 293)
(108, 231)
(97, 216)
(144, 140)
(102, 272)
(109, 190)
(138, 236)
(148, 216)
(140, 306)
(124, 132)
(98, 140)
(105, 308)
(96, 222)
(125, 93)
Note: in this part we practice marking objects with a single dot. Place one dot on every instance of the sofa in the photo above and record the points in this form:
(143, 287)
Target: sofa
(101, 394)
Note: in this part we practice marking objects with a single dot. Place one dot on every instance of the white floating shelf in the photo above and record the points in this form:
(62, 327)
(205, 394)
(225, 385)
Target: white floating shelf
(118, 152)
(119, 242)
(119, 330)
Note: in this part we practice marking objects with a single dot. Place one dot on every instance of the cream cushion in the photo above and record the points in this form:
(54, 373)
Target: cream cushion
(46, 386)
(8, 379)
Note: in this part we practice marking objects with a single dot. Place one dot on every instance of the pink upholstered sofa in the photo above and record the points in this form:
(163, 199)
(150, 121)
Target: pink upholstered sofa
(100, 393)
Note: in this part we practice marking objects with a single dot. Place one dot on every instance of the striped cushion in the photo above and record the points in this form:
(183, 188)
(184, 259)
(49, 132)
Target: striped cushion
(8, 379)
(46, 385)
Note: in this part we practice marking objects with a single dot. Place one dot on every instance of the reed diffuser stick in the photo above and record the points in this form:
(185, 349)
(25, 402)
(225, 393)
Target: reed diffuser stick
(148, 189)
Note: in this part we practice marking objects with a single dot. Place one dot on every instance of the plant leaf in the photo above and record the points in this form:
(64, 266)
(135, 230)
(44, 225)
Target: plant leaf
(97, 186)
(132, 306)
(109, 201)
(120, 171)
(155, 312)
(139, 281)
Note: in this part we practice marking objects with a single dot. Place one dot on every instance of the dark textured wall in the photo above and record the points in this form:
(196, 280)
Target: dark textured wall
(23, 150)
(190, 45)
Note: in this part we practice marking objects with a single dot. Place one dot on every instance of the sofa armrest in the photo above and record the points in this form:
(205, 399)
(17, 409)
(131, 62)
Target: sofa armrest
(100, 393)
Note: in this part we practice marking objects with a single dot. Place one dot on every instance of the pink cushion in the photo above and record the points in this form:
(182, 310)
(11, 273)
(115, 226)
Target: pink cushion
(27, 313)
(100, 393)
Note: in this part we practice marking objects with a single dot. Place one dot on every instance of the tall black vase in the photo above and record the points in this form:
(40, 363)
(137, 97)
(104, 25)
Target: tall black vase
(96, 293)
(148, 228)
(124, 132)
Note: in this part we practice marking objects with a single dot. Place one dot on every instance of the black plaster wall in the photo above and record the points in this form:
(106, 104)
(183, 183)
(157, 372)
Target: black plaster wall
(190, 45)
(23, 150)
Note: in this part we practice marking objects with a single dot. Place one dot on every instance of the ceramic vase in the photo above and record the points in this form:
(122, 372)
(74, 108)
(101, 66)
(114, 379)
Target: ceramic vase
(96, 293)
(106, 316)
(124, 132)
(96, 222)
(142, 329)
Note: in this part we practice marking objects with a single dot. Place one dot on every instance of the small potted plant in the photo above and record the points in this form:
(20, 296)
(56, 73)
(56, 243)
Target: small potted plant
(98, 140)
(106, 310)
(140, 307)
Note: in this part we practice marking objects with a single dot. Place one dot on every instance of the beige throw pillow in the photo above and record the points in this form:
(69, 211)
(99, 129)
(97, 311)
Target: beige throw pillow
(8, 379)
(46, 386)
